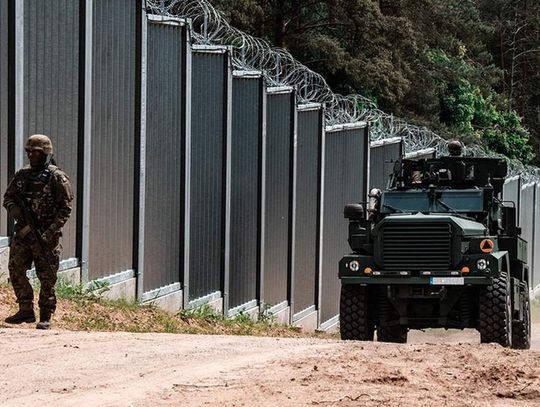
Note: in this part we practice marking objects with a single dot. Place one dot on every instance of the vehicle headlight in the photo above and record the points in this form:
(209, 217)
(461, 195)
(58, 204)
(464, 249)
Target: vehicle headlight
(481, 264)
(354, 265)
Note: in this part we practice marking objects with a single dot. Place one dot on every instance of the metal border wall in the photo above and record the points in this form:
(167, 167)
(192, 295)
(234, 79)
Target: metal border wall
(51, 88)
(527, 222)
(383, 155)
(535, 270)
(512, 193)
(310, 136)
(110, 92)
(162, 154)
(278, 179)
(3, 108)
(209, 175)
(246, 149)
(346, 163)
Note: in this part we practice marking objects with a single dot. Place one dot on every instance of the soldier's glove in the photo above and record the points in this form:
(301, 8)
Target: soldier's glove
(16, 213)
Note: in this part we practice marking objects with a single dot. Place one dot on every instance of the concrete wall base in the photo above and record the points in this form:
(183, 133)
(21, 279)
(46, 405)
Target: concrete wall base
(308, 323)
(124, 290)
(283, 316)
(4, 258)
(217, 305)
(72, 276)
(535, 292)
(171, 302)
(253, 312)
(331, 326)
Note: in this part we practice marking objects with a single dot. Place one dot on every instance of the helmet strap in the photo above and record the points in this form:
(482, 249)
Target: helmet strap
(50, 160)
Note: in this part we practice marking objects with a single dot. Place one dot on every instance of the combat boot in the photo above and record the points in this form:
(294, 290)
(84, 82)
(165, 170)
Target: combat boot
(44, 320)
(24, 314)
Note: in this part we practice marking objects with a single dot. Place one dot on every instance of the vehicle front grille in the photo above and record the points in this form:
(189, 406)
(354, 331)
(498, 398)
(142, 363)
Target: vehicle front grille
(417, 246)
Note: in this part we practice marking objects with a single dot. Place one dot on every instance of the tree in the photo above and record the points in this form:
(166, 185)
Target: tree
(442, 63)
(515, 44)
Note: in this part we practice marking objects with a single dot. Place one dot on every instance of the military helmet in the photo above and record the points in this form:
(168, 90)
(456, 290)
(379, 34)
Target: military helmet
(455, 147)
(39, 142)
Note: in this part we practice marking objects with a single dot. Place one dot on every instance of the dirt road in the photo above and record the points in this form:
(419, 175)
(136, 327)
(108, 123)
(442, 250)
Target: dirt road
(63, 368)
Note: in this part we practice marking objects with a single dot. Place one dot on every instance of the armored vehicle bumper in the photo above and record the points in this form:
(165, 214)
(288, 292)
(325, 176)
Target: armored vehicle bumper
(474, 269)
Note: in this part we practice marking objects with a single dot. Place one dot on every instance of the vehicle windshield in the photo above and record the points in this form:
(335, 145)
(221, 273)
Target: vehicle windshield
(448, 201)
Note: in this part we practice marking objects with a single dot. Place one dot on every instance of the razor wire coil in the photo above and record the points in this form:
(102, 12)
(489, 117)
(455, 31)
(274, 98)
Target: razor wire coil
(280, 68)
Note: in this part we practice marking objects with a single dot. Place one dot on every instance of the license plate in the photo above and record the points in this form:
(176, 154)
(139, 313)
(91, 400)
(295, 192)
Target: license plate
(447, 281)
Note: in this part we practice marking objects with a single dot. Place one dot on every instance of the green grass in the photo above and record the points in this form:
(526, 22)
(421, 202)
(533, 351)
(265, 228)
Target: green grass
(84, 307)
(204, 312)
(241, 323)
(92, 293)
(91, 311)
(78, 292)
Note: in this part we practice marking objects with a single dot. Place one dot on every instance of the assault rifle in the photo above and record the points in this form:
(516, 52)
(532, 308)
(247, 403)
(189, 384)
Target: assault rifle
(30, 227)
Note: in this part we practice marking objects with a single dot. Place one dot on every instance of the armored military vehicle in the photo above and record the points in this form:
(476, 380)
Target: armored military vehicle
(439, 248)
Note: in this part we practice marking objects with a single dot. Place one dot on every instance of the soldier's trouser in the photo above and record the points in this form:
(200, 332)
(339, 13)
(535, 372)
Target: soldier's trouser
(21, 255)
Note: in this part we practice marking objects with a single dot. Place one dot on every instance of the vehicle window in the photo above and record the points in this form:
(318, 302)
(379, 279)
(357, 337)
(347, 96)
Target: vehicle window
(460, 201)
(392, 202)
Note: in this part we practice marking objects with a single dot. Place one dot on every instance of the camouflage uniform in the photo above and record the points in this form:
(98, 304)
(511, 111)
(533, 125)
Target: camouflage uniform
(48, 192)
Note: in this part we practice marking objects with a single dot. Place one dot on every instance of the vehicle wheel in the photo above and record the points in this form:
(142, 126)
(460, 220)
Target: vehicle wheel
(521, 330)
(387, 314)
(495, 312)
(355, 322)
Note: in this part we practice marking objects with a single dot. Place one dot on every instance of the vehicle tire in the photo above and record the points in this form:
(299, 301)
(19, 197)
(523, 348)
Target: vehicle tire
(495, 312)
(387, 314)
(354, 319)
(521, 330)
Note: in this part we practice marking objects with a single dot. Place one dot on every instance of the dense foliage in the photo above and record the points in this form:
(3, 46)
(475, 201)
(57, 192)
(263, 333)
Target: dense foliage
(467, 68)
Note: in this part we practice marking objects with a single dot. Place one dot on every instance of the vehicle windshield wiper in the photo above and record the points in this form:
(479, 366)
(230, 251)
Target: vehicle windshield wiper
(445, 205)
(392, 208)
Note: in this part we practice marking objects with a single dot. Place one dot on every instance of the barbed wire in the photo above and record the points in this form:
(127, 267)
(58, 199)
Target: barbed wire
(280, 68)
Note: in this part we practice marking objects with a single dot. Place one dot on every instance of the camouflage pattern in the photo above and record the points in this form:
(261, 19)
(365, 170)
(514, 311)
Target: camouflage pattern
(48, 192)
(39, 142)
(22, 253)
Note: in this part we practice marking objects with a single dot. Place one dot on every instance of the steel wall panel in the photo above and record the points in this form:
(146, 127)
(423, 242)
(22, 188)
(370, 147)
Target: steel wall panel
(381, 163)
(164, 162)
(245, 189)
(51, 87)
(113, 135)
(309, 137)
(208, 136)
(345, 179)
(527, 221)
(511, 193)
(3, 108)
(279, 136)
(536, 241)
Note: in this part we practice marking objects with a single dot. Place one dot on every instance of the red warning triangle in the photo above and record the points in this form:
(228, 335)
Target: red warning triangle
(487, 245)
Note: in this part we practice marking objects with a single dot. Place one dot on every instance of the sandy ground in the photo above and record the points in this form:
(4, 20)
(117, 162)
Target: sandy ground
(63, 368)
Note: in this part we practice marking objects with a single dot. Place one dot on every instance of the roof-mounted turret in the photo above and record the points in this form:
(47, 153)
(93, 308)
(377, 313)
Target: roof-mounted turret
(450, 172)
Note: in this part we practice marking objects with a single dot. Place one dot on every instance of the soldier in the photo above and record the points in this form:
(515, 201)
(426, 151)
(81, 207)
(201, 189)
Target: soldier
(39, 199)
(455, 148)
